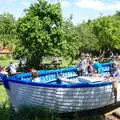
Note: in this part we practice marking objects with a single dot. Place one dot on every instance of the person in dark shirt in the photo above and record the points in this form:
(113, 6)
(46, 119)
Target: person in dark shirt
(90, 68)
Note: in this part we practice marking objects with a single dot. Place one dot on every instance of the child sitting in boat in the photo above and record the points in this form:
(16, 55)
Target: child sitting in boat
(35, 75)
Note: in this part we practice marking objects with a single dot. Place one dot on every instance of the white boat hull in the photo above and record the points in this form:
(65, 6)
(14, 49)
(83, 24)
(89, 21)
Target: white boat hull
(62, 99)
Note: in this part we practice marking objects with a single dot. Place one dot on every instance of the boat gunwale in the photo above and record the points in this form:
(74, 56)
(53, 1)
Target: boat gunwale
(71, 85)
(16, 79)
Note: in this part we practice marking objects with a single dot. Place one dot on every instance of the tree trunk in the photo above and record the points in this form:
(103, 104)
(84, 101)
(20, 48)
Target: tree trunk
(72, 58)
(34, 62)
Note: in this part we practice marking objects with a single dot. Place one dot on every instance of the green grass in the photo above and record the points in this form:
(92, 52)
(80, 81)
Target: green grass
(5, 108)
(5, 63)
(3, 95)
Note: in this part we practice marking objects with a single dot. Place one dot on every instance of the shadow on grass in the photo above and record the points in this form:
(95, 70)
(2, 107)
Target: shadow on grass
(39, 113)
(35, 113)
(6, 112)
(26, 113)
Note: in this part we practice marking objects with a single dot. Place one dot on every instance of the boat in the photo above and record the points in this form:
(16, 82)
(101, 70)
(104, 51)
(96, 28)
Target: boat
(87, 94)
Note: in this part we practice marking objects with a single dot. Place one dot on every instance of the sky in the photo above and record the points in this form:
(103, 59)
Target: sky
(81, 10)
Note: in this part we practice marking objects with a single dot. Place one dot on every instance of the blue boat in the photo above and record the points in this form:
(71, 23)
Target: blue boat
(85, 94)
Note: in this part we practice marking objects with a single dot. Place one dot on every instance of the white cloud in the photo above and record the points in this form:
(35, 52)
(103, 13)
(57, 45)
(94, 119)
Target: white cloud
(7, 0)
(98, 5)
(65, 4)
(25, 3)
(52, 1)
(115, 6)
(94, 4)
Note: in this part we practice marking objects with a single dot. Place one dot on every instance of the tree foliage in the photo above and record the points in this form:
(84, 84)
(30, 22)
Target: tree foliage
(106, 29)
(43, 32)
(87, 39)
(40, 31)
(77, 39)
(70, 43)
(8, 30)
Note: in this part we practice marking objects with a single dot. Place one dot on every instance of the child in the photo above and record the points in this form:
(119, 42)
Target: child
(90, 68)
(35, 75)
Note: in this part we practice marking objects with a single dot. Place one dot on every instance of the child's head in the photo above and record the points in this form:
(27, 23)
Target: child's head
(118, 57)
(90, 62)
(34, 73)
(96, 59)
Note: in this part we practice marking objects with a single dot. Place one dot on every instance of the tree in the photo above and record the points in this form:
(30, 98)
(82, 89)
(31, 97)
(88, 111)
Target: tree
(8, 30)
(71, 43)
(77, 39)
(106, 29)
(40, 31)
(88, 40)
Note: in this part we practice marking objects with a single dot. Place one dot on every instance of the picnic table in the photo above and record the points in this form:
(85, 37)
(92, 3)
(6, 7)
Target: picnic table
(55, 63)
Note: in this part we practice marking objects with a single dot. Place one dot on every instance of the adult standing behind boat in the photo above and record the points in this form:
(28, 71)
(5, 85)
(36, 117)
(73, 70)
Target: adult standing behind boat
(82, 66)
(115, 77)
(111, 56)
(98, 67)
(11, 69)
(79, 68)
(116, 71)
(79, 65)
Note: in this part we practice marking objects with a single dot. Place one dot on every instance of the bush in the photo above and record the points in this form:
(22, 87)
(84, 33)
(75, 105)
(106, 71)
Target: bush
(4, 57)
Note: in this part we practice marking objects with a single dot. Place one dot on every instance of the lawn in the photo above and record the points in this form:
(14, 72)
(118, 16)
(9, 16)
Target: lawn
(3, 95)
(5, 63)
